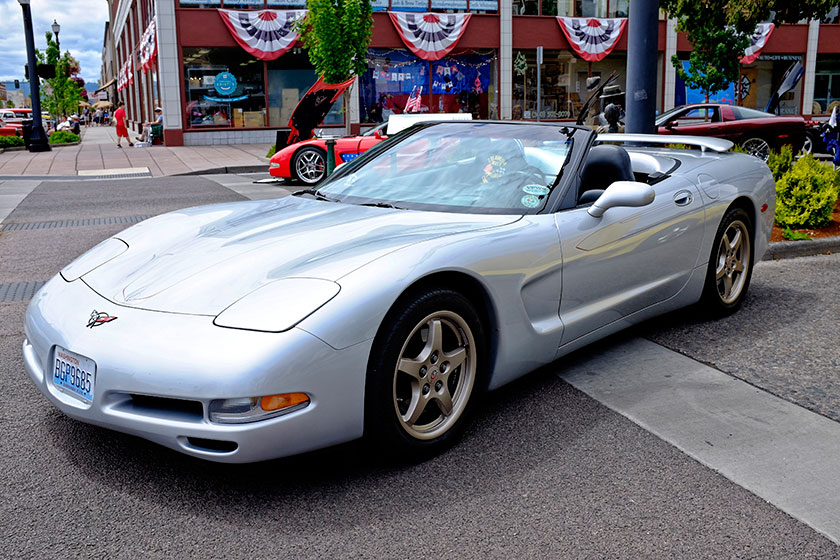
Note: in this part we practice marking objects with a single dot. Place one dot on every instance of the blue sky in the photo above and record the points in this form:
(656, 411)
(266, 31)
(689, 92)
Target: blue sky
(82, 28)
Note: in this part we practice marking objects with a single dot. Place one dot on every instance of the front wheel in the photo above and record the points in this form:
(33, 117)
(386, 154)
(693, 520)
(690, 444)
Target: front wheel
(310, 165)
(757, 147)
(423, 372)
(730, 265)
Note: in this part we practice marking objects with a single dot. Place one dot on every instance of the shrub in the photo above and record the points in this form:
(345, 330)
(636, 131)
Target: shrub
(10, 141)
(63, 137)
(792, 235)
(806, 194)
(271, 151)
(780, 162)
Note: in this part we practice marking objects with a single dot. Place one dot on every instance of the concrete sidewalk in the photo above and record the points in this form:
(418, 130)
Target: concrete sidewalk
(98, 151)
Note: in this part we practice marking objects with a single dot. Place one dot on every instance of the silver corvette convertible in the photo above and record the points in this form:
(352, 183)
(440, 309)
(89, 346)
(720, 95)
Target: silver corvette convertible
(448, 260)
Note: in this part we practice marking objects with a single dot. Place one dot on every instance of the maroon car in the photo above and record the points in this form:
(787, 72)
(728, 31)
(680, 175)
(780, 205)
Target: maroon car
(755, 131)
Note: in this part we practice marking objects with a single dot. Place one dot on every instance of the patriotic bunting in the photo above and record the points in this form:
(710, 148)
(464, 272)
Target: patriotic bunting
(757, 42)
(126, 73)
(266, 34)
(592, 38)
(148, 45)
(430, 36)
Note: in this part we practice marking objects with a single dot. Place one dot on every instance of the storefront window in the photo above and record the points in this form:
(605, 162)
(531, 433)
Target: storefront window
(239, 4)
(484, 6)
(826, 84)
(409, 5)
(287, 3)
(289, 78)
(449, 5)
(201, 3)
(225, 87)
(459, 83)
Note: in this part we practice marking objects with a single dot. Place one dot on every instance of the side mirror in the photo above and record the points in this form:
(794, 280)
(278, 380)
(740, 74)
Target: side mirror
(378, 135)
(622, 193)
(670, 124)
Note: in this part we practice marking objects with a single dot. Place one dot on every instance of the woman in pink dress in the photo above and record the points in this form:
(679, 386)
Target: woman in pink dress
(122, 131)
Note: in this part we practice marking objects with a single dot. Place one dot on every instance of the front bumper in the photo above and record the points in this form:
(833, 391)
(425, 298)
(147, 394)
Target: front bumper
(146, 361)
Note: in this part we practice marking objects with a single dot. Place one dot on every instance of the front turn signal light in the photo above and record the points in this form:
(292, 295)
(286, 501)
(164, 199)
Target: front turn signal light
(277, 402)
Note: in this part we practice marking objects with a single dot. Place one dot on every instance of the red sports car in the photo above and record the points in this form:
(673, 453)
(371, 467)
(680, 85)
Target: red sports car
(307, 161)
(7, 130)
(755, 131)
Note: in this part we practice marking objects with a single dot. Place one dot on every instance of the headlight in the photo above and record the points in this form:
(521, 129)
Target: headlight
(253, 409)
(96, 257)
(273, 164)
(278, 306)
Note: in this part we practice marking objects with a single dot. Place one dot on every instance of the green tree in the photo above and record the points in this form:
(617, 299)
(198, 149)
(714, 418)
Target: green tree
(60, 95)
(10, 104)
(720, 30)
(336, 34)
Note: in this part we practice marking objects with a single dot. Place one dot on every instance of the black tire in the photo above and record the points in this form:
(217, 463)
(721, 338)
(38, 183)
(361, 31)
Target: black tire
(756, 146)
(726, 286)
(409, 379)
(812, 142)
(309, 165)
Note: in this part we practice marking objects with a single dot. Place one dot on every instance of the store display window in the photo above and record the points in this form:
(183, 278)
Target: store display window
(201, 3)
(225, 87)
(289, 78)
(460, 83)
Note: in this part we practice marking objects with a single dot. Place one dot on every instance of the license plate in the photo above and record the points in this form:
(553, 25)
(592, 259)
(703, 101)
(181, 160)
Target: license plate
(74, 374)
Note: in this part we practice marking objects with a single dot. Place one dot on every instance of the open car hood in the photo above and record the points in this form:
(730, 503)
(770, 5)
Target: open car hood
(201, 260)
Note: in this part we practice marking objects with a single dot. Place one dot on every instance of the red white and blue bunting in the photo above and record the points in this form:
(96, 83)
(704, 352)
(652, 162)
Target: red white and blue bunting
(266, 34)
(757, 42)
(126, 73)
(592, 38)
(148, 45)
(430, 36)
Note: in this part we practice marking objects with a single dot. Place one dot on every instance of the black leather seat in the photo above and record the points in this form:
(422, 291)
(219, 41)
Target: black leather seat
(604, 165)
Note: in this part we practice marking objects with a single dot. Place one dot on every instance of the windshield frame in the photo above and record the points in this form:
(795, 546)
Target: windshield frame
(578, 137)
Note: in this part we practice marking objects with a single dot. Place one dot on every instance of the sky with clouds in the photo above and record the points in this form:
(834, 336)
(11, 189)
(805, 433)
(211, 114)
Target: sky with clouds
(82, 29)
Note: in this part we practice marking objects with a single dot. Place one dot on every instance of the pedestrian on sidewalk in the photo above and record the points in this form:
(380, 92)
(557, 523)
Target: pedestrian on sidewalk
(97, 117)
(122, 131)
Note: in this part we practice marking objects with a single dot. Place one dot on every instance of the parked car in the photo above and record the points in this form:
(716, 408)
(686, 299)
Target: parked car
(307, 161)
(8, 130)
(453, 258)
(755, 131)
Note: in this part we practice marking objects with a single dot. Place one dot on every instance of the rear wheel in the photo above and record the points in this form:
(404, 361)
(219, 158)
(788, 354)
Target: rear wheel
(757, 147)
(310, 165)
(422, 374)
(730, 265)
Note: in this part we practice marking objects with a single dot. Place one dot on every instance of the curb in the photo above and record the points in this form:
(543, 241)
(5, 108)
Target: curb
(225, 170)
(792, 249)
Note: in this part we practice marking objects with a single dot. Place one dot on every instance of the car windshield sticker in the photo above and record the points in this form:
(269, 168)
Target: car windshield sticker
(536, 189)
(495, 168)
(530, 201)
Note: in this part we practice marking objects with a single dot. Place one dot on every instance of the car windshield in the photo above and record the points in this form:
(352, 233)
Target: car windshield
(459, 167)
(373, 131)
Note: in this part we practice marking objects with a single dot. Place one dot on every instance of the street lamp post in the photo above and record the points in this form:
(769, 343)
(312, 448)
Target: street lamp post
(38, 138)
(56, 28)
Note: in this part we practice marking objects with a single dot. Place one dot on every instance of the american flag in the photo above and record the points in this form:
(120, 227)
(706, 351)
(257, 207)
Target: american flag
(413, 103)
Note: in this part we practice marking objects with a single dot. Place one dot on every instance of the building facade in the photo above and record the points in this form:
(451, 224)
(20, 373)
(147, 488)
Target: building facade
(214, 90)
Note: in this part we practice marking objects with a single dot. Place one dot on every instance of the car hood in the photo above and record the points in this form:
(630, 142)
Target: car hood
(201, 260)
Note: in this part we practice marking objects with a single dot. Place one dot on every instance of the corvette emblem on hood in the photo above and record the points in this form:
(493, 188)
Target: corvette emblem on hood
(98, 318)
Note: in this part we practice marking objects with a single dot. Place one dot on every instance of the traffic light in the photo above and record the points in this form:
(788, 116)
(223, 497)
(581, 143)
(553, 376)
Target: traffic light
(26, 71)
(17, 84)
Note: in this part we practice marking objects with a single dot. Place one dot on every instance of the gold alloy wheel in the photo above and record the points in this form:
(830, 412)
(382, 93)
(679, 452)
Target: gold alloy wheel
(435, 374)
(733, 261)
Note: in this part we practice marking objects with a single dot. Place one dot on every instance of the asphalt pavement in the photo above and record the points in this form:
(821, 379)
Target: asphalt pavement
(545, 471)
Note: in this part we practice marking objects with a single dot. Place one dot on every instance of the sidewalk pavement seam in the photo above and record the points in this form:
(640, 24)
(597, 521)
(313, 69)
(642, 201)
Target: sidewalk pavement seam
(777, 450)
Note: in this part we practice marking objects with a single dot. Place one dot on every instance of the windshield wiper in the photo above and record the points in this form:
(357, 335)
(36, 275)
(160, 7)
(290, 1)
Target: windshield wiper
(316, 194)
(381, 205)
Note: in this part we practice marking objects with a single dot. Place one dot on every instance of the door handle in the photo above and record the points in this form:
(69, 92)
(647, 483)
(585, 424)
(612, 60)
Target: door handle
(683, 198)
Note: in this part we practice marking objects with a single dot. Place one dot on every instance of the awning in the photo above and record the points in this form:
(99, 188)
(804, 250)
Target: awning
(106, 86)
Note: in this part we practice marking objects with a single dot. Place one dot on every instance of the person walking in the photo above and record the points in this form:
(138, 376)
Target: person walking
(122, 131)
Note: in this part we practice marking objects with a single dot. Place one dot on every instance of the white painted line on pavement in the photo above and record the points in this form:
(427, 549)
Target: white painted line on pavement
(120, 171)
(777, 450)
(247, 187)
(12, 193)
